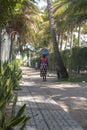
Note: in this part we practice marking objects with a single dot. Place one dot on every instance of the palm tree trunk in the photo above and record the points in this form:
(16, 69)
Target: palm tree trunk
(60, 68)
(0, 44)
(79, 35)
(71, 38)
(10, 54)
(61, 42)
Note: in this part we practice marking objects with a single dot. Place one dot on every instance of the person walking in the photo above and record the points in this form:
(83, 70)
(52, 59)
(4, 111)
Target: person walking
(43, 67)
(36, 65)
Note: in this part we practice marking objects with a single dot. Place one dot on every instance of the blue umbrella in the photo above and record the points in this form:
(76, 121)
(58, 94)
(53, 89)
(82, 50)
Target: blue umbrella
(44, 51)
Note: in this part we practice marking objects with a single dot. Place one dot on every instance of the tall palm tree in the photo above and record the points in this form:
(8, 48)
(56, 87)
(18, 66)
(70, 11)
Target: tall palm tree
(7, 8)
(61, 70)
(71, 14)
(24, 22)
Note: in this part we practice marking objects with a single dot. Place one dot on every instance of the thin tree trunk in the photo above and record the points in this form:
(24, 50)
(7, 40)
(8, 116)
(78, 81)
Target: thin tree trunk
(12, 36)
(67, 40)
(61, 42)
(79, 35)
(61, 70)
(10, 54)
(71, 38)
(59, 39)
(0, 44)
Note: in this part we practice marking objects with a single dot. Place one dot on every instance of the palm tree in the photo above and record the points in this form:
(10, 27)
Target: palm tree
(70, 13)
(78, 11)
(61, 70)
(7, 9)
(24, 22)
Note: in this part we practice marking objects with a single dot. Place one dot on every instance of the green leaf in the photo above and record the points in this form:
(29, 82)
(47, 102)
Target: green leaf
(24, 123)
(20, 112)
(16, 121)
(2, 106)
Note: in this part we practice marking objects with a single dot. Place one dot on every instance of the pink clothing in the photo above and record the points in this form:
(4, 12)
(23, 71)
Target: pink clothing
(43, 66)
(43, 61)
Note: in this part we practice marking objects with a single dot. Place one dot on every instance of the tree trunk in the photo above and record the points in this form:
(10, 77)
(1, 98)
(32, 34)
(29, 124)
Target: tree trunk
(12, 37)
(10, 55)
(71, 38)
(61, 70)
(0, 44)
(79, 35)
(61, 42)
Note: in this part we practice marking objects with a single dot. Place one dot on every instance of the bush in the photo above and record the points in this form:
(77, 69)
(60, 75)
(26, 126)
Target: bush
(10, 75)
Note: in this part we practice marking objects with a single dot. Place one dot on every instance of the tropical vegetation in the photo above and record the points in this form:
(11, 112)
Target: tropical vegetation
(22, 23)
(10, 75)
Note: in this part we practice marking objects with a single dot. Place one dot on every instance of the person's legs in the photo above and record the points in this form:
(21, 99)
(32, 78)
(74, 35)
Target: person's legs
(44, 78)
(43, 72)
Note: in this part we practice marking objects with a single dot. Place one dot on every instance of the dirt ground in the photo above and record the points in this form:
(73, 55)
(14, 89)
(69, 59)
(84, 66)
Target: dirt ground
(72, 97)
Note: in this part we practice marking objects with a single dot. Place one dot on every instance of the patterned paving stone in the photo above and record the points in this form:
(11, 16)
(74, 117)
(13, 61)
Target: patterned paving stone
(45, 113)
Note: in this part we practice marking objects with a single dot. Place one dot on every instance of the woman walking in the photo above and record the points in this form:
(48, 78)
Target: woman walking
(43, 67)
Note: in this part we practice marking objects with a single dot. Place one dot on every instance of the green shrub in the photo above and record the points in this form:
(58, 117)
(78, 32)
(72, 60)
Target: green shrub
(10, 75)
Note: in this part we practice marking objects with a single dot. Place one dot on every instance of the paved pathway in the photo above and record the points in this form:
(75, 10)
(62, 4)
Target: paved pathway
(45, 113)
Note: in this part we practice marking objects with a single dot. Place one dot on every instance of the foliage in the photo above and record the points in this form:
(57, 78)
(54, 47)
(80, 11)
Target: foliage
(74, 56)
(70, 12)
(75, 59)
(75, 40)
(11, 70)
(7, 8)
(21, 18)
(75, 79)
(10, 75)
(26, 22)
(51, 62)
(82, 57)
(20, 118)
(66, 56)
(84, 30)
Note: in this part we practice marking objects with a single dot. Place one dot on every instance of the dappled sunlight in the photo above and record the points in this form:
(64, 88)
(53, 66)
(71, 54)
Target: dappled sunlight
(63, 85)
(52, 95)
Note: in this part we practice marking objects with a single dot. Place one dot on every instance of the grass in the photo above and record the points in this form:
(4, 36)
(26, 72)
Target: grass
(75, 78)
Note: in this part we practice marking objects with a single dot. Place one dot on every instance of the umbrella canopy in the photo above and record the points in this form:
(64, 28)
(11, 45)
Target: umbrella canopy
(44, 51)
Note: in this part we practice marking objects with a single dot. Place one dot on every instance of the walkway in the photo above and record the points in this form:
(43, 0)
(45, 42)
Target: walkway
(45, 113)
